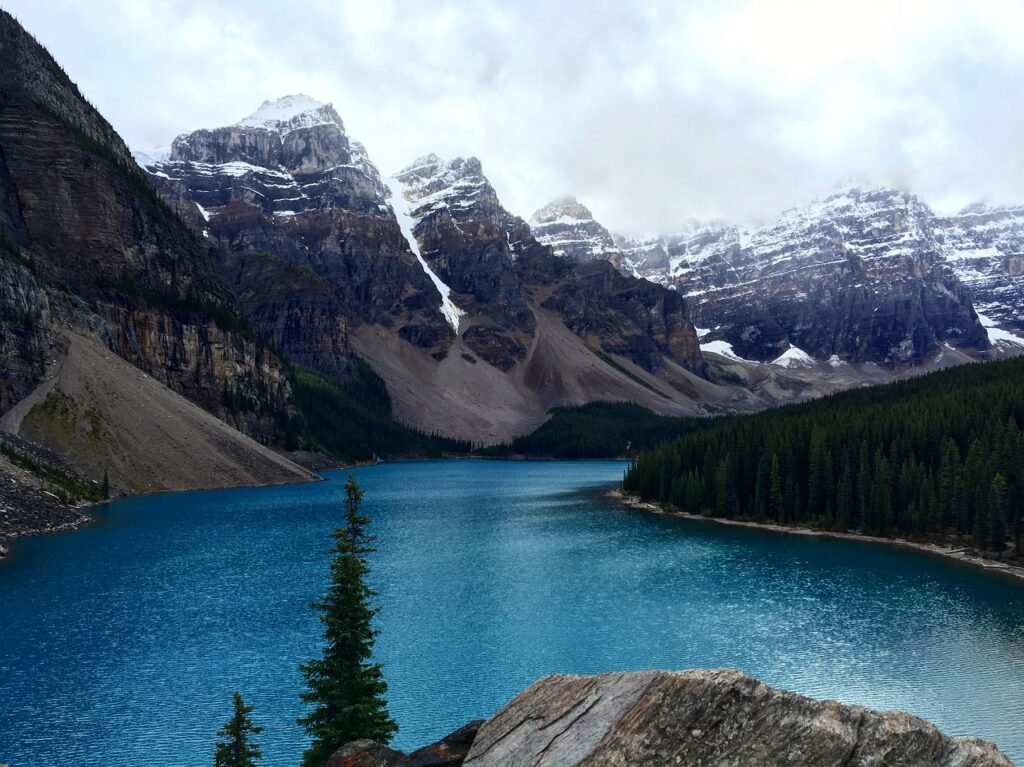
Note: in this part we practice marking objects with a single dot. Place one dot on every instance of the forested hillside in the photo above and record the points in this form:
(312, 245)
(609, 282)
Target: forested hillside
(598, 430)
(933, 457)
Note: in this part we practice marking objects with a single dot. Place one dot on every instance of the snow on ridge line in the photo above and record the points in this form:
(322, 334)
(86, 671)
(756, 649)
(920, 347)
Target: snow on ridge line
(289, 113)
(402, 210)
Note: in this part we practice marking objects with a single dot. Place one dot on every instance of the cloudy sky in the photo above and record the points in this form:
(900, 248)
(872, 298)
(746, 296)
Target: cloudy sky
(649, 112)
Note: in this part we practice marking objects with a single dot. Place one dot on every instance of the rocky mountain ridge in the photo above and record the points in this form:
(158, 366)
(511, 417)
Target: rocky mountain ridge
(424, 274)
(869, 275)
(569, 229)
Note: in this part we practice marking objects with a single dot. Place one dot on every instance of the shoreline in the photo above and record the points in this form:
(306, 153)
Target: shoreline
(958, 555)
(84, 517)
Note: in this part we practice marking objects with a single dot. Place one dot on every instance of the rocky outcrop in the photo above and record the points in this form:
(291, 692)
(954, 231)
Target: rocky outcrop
(39, 491)
(450, 751)
(717, 718)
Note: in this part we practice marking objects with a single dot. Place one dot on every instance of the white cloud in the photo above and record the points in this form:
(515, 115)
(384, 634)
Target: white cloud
(649, 114)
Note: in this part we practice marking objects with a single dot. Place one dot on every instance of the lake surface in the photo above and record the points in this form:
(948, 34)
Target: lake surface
(120, 644)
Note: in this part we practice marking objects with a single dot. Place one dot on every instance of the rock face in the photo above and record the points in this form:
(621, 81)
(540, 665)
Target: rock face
(698, 718)
(465, 236)
(307, 237)
(706, 718)
(450, 751)
(475, 326)
(87, 243)
(985, 247)
(569, 229)
(862, 275)
(866, 276)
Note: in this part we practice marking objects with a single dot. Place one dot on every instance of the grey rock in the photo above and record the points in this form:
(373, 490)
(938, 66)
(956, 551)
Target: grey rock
(713, 718)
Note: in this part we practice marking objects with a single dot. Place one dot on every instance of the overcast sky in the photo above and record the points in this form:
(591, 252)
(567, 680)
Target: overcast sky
(649, 112)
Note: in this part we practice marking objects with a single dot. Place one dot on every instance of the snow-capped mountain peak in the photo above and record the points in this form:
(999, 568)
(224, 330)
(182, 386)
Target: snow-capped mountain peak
(432, 182)
(290, 113)
(569, 229)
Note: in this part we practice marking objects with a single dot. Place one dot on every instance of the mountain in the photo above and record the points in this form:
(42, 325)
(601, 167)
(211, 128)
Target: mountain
(306, 236)
(865, 276)
(985, 247)
(93, 263)
(569, 229)
(474, 326)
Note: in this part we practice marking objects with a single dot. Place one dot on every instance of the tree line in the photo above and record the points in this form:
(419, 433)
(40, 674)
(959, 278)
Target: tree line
(598, 430)
(939, 456)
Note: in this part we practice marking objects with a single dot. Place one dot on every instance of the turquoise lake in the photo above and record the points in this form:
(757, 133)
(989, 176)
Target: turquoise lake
(121, 643)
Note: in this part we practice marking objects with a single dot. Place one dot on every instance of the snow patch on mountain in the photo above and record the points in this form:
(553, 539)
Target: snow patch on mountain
(723, 349)
(794, 357)
(403, 210)
(997, 336)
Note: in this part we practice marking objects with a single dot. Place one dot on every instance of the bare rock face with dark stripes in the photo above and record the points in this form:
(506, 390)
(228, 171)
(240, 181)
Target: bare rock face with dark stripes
(710, 718)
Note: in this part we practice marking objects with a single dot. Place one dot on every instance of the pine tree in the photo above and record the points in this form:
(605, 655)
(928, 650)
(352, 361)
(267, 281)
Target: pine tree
(235, 747)
(997, 514)
(844, 501)
(345, 687)
(775, 502)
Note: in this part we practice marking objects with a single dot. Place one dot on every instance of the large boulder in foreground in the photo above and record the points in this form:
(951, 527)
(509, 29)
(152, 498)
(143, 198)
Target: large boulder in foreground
(707, 718)
(716, 718)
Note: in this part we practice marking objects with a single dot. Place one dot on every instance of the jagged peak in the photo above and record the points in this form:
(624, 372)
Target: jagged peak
(564, 209)
(433, 165)
(290, 113)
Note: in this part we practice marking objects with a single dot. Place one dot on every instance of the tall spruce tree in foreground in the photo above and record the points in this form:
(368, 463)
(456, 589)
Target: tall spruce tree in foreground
(235, 747)
(346, 688)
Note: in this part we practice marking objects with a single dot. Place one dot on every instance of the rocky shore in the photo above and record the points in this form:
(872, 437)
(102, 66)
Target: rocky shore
(710, 718)
(957, 554)
(30, 504)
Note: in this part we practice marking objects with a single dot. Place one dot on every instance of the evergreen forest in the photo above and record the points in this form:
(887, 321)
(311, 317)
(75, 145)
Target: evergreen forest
(934, 457)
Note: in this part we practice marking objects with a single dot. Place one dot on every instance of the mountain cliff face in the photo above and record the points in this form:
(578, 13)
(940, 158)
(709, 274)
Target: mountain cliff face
(464, 236)
(863, 276)
(569, 229)
(424, 274)
(87, 243)
(985, 248)
(297, 207)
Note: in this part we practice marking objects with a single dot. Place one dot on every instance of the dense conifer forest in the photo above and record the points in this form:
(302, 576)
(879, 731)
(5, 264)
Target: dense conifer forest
(938, 457)
(598, 430)
(352, 420)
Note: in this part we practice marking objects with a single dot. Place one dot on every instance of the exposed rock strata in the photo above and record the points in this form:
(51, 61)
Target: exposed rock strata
(700, 718)
(866, 276)
(569, 229)
(307, 237)
(87, 243)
